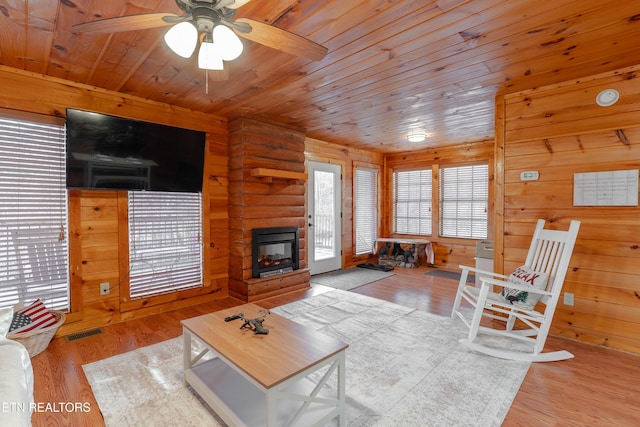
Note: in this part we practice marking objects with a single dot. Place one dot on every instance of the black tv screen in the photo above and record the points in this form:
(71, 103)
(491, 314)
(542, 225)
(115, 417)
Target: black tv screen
(107, 152)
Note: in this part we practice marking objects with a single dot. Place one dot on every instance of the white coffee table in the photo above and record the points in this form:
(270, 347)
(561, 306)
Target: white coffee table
(261, 380)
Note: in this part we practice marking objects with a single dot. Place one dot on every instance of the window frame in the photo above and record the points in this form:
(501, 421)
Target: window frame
(138, 291)
(427, 179)
(40, 239)
(376, 204)
(473, 202)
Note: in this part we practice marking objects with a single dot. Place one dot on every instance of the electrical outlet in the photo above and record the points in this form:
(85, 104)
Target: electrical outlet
(104, 288)
(568, 298)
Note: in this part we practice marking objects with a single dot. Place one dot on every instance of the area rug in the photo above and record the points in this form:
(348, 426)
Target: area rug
(453, 275)
(405, 367)
(350, 278)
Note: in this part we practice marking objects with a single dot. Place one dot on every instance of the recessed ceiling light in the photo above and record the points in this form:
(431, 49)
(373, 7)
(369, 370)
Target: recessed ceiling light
(607, 97)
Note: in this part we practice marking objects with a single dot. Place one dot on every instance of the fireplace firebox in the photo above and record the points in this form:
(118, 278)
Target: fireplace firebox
(274, 251)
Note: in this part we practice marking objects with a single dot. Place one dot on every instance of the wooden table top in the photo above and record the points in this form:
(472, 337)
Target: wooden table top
(270, 359)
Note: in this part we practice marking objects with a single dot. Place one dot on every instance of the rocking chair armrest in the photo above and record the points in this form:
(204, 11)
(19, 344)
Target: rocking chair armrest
(483, 272)
(486, 281)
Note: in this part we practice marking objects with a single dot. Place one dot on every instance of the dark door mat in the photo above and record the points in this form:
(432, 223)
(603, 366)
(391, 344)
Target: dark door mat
(454, 275)
(378, 267)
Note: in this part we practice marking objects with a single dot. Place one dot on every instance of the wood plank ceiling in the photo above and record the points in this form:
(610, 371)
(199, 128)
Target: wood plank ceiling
(391, 66)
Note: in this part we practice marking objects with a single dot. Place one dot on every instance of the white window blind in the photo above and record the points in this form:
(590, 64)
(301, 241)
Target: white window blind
(33, 213)
(165, 245)
(412, 202)
(464, 198)
(366, 209)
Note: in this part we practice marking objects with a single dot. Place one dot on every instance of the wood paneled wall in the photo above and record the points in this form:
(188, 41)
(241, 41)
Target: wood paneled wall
(98, 219)
(449, 252)
(559, 131)
(348, 159)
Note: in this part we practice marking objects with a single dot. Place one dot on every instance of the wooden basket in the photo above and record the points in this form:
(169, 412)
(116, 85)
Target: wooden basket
(37, 341)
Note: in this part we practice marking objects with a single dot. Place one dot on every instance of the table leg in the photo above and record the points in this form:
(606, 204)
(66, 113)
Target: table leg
(272, 408)
(186, 355)
(342, 419)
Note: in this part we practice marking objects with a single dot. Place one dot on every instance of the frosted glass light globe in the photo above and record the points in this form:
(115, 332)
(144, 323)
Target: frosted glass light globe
(182, 39)
(227, 43)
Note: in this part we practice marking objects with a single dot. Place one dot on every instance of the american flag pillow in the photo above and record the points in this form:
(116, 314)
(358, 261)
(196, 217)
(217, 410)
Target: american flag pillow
(32, 317)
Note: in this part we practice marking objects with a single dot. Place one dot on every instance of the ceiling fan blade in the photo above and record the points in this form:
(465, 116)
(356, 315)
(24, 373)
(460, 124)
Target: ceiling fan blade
(281, 40)
(129, 23)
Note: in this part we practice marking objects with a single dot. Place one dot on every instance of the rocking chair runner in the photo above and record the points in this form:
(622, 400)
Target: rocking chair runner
(541, 277)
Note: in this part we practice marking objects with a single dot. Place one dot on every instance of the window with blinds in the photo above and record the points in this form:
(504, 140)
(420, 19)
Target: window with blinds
(464, 199)
(165, 245)
(366, 209)
(33, 212)
(412, 202)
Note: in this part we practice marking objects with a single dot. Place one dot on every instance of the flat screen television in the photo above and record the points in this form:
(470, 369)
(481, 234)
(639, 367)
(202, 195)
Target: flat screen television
(107, 152)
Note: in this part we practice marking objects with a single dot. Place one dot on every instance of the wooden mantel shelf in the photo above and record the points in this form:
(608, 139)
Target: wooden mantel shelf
(267, 175)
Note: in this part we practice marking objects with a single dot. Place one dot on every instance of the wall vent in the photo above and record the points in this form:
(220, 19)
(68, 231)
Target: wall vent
(84, 334)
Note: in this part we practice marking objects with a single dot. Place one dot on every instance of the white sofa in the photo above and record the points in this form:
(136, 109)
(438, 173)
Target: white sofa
(16, 379)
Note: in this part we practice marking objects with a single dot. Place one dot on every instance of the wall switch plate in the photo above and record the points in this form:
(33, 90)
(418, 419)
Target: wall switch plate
(529, 176)
(568, 298)
(104, 288)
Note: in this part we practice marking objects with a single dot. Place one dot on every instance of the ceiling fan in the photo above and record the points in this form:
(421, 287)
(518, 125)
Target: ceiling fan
(210, 22)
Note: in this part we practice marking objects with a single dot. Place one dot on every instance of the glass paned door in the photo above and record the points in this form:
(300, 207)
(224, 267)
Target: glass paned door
(325, 237)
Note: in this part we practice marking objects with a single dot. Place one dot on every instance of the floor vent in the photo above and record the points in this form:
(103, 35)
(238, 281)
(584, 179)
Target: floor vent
(85, 334)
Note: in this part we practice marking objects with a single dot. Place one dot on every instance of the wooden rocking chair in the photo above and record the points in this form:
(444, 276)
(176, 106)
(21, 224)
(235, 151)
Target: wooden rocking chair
(529, 295)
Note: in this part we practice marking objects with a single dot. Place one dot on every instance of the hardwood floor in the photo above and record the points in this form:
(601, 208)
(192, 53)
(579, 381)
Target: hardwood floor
(599, 387)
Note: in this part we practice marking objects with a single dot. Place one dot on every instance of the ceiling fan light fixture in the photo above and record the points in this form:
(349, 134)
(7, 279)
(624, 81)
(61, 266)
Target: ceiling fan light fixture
(237, 4)
(182, 39)
(227, 43)
(209, 57)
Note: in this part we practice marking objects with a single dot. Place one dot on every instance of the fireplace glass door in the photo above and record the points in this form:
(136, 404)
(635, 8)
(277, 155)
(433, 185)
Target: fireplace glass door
(275, 254)
(274, 251)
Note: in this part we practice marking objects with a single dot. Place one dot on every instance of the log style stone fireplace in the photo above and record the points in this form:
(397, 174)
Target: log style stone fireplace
(266, 191)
